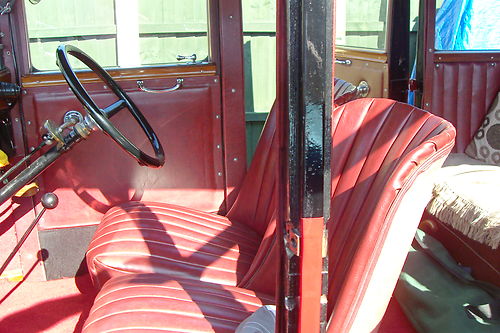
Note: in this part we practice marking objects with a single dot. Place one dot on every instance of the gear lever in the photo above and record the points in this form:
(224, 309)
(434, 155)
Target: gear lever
(49, 201)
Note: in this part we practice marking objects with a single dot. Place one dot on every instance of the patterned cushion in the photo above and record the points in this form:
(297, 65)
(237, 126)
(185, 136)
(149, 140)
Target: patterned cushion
(485, 145)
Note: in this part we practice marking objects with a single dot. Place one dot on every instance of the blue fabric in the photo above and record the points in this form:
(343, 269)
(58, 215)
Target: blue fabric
(453, 24)
(468, 25)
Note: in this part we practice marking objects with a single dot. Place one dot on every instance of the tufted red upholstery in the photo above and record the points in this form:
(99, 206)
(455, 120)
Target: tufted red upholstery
(382, 153)
(380, 148)
(154, 302)
(462, 93)
(147, 237)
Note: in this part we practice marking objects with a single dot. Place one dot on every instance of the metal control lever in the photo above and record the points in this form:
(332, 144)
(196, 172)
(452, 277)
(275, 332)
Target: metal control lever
(49, 201)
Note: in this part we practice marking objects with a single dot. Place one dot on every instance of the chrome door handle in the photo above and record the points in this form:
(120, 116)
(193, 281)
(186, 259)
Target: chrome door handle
(191, 58)
(140, 84)
(343, 62)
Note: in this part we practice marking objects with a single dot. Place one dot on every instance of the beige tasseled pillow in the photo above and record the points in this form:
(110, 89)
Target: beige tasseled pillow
(485, 145)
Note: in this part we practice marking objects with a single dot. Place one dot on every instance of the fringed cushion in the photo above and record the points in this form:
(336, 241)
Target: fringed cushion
(467, 198)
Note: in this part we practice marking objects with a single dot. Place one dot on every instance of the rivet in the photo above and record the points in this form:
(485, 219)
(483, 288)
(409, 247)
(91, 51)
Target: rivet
(217, 117)
(7, 53)
(235, 159)
(233, 90)
(437, 65)
(32, 148)
(427, 104)
(16, 120)
(218, 146)
(493, 64)
(25, 92)
(215, 80)
(430, 50)
(219, 174)
(230, 17)
(28, 122)
(105, 87)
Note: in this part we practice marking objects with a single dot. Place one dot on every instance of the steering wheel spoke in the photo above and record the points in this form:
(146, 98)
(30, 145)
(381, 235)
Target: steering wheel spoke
(101, 116)
(114, 108)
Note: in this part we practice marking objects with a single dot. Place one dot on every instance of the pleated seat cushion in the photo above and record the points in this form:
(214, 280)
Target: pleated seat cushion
(156, 303)
(142, 237)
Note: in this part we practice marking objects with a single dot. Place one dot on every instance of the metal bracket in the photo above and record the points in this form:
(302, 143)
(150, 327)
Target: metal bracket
(6, 9)
(292, 240)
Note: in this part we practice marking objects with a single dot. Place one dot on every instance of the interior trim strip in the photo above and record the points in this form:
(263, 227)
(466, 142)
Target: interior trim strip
(122, 74)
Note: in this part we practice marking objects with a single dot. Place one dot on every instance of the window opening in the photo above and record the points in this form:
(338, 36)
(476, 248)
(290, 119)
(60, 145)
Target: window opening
(361, 23)
(467, 25)
(118, 33)
(259, 52)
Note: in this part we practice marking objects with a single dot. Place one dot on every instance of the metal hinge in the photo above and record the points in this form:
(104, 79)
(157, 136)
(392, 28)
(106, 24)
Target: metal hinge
(292, 240)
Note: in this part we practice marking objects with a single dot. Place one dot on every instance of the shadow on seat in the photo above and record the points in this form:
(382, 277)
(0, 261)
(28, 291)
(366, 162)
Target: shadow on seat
(383, 156)
(153, 237)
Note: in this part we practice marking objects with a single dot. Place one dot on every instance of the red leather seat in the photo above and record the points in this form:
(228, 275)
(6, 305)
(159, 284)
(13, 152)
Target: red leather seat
(383, 155)
(154, 302)
(148, 237)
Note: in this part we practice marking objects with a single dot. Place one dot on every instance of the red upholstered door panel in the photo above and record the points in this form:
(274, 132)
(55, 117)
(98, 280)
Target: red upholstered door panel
(457, 85)
(97, 174)
(463, 86)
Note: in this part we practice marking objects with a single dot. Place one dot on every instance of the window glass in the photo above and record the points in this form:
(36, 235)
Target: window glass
(467, 25)
(361, 23)
(259, 48)
(121, 33)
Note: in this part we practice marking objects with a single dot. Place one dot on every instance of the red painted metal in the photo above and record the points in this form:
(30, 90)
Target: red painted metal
(282, 119)
(427, 53)
(233, 108)
(311, 261)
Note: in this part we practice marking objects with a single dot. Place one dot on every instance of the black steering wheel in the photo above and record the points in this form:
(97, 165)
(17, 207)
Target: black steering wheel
(101, 116)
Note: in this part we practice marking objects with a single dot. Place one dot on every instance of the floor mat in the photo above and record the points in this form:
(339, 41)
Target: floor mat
(52, 306)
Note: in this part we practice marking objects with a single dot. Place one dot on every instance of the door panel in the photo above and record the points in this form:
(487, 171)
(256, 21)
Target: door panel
(97, 174)
(462, 91)
(457, 85)
(373, 37)
(201, 127)
(368, 66)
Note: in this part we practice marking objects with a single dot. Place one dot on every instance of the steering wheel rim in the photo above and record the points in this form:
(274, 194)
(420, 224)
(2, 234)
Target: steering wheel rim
(100, 116)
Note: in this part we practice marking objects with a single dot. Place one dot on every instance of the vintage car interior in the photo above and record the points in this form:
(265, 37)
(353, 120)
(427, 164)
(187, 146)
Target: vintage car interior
(193, 166)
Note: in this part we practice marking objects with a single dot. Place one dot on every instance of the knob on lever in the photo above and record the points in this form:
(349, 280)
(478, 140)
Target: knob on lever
(49, 201)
